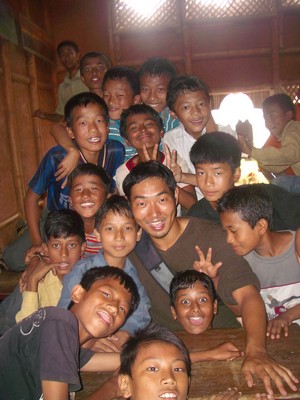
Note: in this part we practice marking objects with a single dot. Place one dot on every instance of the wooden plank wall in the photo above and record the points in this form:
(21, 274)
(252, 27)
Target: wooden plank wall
(26, 79)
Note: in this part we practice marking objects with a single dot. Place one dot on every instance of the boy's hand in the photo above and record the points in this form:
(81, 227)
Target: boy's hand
(153, 156)
(32, 252)
(268, 370)
(276, 325)
(171, 163)
(228, 394)
(67, 165)
(245, 147)
(38, 274)
(111, 344)
(205, 265)
(226, 351)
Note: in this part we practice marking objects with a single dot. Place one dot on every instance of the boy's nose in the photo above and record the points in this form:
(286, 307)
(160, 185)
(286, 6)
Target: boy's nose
(113, 307)
(168, 378)
(154, 210)
(119, 234)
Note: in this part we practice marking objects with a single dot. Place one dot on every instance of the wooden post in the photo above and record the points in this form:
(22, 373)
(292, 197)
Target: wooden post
(18, 177)
(34, 99)
(185, 30)
(112, 53)
(275, 46)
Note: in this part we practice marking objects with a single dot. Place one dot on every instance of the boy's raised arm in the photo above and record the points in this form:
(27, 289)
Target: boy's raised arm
(256, 361)
(33, 214)
(55, 390)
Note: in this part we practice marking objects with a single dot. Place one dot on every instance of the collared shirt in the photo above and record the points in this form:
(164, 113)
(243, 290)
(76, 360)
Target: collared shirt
(67, 89)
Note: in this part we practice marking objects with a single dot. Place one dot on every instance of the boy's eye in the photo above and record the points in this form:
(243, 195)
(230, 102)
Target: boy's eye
(161, 90)
(83, 123)
(202, 300)
(55, 245)
(185, 302)
(128, 228)
(200, 173)
(123, 310)
(105, 294)
(109, 228)
(152, 369)
(179, 369)
(100, 120)
(144, 89)
(186, 108)
(72, 245)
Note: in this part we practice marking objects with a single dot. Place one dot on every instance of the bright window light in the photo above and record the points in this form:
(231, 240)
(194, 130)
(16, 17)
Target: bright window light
(145, 8)
(239, 106)
(218, 3)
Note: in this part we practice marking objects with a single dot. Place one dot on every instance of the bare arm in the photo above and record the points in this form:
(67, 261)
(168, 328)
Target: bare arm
(257, 362)
(33, 213)
(224, 351)
(187, 196)
(54, 117)
(102, 362)
(282, 322)
(55, 390)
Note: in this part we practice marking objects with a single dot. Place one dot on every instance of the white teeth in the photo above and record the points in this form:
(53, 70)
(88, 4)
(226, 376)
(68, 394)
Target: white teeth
(94, 139)
(168, 396)
(87, 204)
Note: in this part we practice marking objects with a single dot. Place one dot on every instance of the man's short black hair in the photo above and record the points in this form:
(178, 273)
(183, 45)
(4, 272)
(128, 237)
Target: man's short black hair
(120, 72)
(90, 169)
(283, 101)
(216, 147)
(94, 54)
(153, 333)
(137, 109)
(183, 84)
(67, 43)
(250, 202)
(146, 170)
(116, 204)
(99, 273)
(157, 66)
(82, 100)
(63, 224)
(186, 280)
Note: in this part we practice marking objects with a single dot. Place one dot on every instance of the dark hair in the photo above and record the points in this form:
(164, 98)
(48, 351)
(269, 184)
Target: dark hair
(94, 54)
(62, 224)
(99, 273)
(216, 147)
(67, 43)
(183, 84)
(116, 204)
(157, 66)
(251, 202)
(120, 72)
(186, 279)
(145, 170)
(153, 333)
(137, 109)
(82, 100)
(283, 101)
(90, 169)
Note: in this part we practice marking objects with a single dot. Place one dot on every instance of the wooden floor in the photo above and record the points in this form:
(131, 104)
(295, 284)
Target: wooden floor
(8, 281)
(212, 377)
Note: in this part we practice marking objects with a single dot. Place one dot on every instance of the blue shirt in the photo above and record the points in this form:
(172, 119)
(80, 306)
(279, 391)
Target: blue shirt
(138, 320)
(114, 134)
(168, 120)
(44, 181)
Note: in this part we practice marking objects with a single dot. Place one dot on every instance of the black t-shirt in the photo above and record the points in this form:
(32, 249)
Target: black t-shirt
(44, 346)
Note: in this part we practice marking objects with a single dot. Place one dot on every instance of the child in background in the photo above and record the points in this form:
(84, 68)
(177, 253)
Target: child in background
(194, 303)
(89, 187)
(121, 89)
(189, 100)
(118, 233)
(47, 344)
(158, 360)
(155, 75)
(142, 128)
(217, 158)
(93, 66)
(279, 158)
(246, 216)
(64, 245)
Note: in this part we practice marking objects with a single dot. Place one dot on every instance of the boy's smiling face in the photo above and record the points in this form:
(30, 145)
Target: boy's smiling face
(241, 237)
(154, 90)
(64, 253)
(142, 129)
(118, 235)
(159, 372)
(87, 195)
(102, 309)
(89, 128)
(215, 179)
(92, 73)
(194, 308)
(118, 96)
(276, 119)
(193, 111)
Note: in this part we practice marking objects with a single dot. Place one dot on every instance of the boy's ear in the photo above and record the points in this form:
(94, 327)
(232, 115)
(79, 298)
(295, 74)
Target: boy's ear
(139, 234)
(124, 385)
(216, 307)
(83, 247)
(176, 195)
(137, 99)
(45, 248)
(173, 114)
(236, 174)
(77, 293)
(173, 312)
(127, 142)
(70, 132)
(262, 226)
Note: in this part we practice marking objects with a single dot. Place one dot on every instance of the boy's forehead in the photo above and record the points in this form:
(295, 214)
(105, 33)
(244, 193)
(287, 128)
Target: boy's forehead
(81, 110)
(195, 93)
(152, 76)
(213, 165)
(65, 49)
(272, 107)
(117, 216)
(196, 286)
(93, 60)
(117, 82)
(87, 178)
(141, 116)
